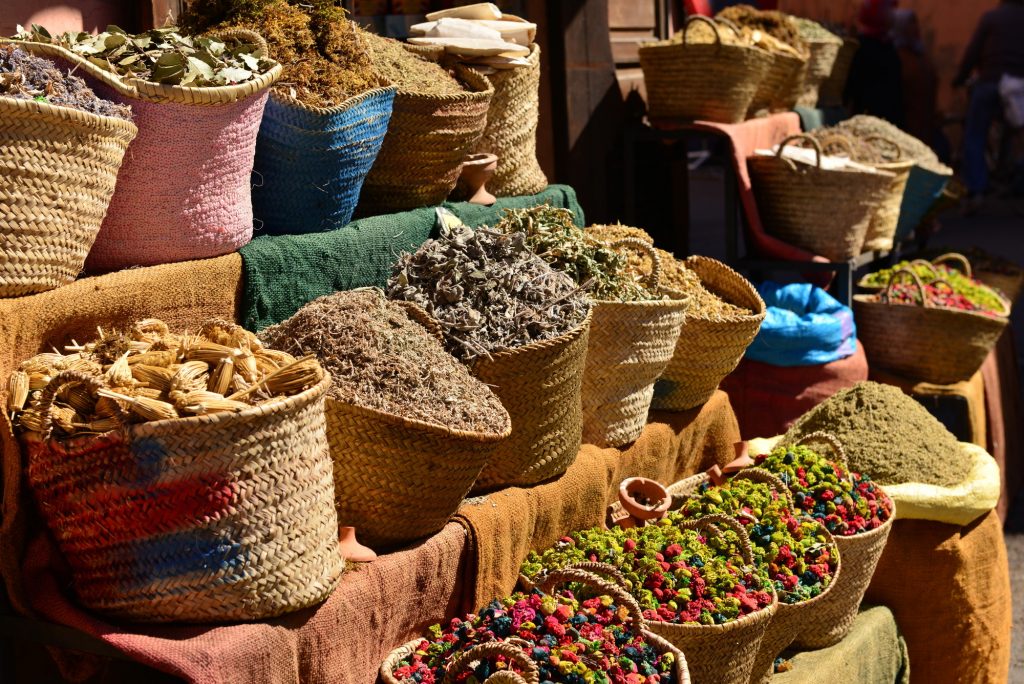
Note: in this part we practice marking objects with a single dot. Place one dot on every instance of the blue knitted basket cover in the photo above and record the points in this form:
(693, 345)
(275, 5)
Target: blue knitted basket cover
(310, 163)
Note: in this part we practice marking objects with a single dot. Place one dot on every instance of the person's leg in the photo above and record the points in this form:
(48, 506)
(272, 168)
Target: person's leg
(981, 112)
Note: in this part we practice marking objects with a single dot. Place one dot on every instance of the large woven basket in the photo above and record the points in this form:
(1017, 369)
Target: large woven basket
(397, 479)
(824, 211)
(709, 349)
(630, 345)
(511, 131)
(428, 138)
(213, 518)
(311, 161)
(881, 232)
(539, 385)
(702, 81)
(184, 189)
(924, 342)
(782, 85)
(820, 66)
(830, 93)
(58, 168)
(859, 555)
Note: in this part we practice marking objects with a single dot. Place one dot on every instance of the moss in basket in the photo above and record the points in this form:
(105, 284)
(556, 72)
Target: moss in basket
(676, 575)
(846, 503)
(571, 639)
(792, 551)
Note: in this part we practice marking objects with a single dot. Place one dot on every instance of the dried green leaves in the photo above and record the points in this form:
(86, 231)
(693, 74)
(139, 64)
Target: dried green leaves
(163, 55)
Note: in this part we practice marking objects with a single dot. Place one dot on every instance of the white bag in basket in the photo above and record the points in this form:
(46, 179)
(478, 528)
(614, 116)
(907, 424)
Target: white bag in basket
(1011, 89)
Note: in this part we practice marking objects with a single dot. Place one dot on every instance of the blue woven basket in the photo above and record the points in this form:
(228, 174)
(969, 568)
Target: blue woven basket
(311, 162)
(924, 188)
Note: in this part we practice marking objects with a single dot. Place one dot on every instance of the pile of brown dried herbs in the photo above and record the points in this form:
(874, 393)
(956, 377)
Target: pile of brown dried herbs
(163, 55)
(488, 291)
(381, 359)
(778, 25)
(27, 77)
(593, 265)
(409, 72)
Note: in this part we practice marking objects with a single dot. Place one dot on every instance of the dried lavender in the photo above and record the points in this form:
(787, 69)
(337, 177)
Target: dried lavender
(488, 291)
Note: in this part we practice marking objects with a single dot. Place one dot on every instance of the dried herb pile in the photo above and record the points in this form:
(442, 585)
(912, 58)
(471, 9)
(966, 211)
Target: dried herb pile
(163, 55)
(27, 77)
(776, 24)
(869, 150)
(813, 32)
(701, 33)
(325, 61)
(488, 291)
(887, 435)
(866, 126)
(381, 359)
(978, 296)
(409, 72)
(148, 373)
(602, 271)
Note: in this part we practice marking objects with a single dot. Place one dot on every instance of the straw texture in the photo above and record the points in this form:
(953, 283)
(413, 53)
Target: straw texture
(820, 65)
(781, 87)
(709, 349)
(830, 93)
(539, 385)
(58, 169)
(923, 342)
(702, 81)
(881, 231)
(212, 518)
(825, 212)
(428, 138)
(311, 162)
(183, 191)
(511, 131)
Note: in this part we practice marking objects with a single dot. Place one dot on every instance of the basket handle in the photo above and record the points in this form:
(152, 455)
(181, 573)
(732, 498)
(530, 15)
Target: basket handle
(803, 137)
(587, 573)
(712, 522)
(924, 263)
(960, 259)
(765, 477)
(914, 279)
(419, 315)
(840, 140)
(243, 36)
(831, 440)
(887, 141)
(531, 674)
(702, 19)
(654, 278)
(58, 382)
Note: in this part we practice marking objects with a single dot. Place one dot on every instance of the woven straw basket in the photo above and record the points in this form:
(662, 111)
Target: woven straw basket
(397, 479)
(58, 168)
(511, 131)
(514, 648)
(860, 553)
(792, 620)
(820, 65)
(830, 93)
(709, 349)
(213, 518)
(183, 191)
(539, 385)
(428, 138)
(924, 342)
(702, 81)
(782, 85)
(824, 211)
(630, 345)
(311, 161)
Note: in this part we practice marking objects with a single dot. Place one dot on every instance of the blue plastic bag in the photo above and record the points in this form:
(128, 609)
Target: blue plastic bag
(805, 326)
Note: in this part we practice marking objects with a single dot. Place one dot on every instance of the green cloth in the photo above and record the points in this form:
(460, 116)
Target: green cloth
(284, 272)
(872, 653)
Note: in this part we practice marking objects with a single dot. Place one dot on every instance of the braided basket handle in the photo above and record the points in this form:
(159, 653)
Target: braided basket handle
(58, 382)
(840, 140)
(913, 279)
(765, 477)
(831, 440)
(716, 520)
(924, 263)
(654, 278)
(244, 36)
(531, 674)
(960, 259)
(705, 20)
(887, 141)
(802, 137)
(419, 315)
(586, 573)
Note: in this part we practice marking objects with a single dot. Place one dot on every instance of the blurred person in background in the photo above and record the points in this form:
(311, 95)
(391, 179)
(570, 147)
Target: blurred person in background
(875, 85)
(997, 48)
(920, 82)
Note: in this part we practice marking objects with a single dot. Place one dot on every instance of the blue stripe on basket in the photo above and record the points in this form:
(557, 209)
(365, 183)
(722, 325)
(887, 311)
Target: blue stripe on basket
(185, 553)
(310, 166)
(148, 454)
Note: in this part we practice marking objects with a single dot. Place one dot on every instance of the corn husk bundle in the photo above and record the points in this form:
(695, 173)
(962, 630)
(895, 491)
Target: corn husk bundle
(147, 373)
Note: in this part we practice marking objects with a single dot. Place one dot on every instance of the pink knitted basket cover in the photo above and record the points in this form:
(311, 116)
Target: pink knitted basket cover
(184, 189)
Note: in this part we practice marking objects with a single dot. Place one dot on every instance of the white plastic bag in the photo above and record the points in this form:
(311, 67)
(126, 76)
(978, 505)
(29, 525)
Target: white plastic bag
(1011, 89)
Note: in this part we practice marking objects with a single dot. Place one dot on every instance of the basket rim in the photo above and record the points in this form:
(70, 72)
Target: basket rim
(871, 534)
(743, 621)
(68, 114)
(662, 46)
(348, 103)
(776, 160)
(422, 425)
(149, 91)
(869, 300)
(482, 91)
(756, 315)
(566, 337)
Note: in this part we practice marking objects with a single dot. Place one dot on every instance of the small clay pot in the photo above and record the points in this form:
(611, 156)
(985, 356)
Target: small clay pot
(351, 549)
(635, 488)
(476, 171)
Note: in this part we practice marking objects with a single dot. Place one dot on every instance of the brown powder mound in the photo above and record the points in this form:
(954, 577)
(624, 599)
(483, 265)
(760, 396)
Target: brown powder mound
(888, 436)
(409, 72)
(380, 359)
